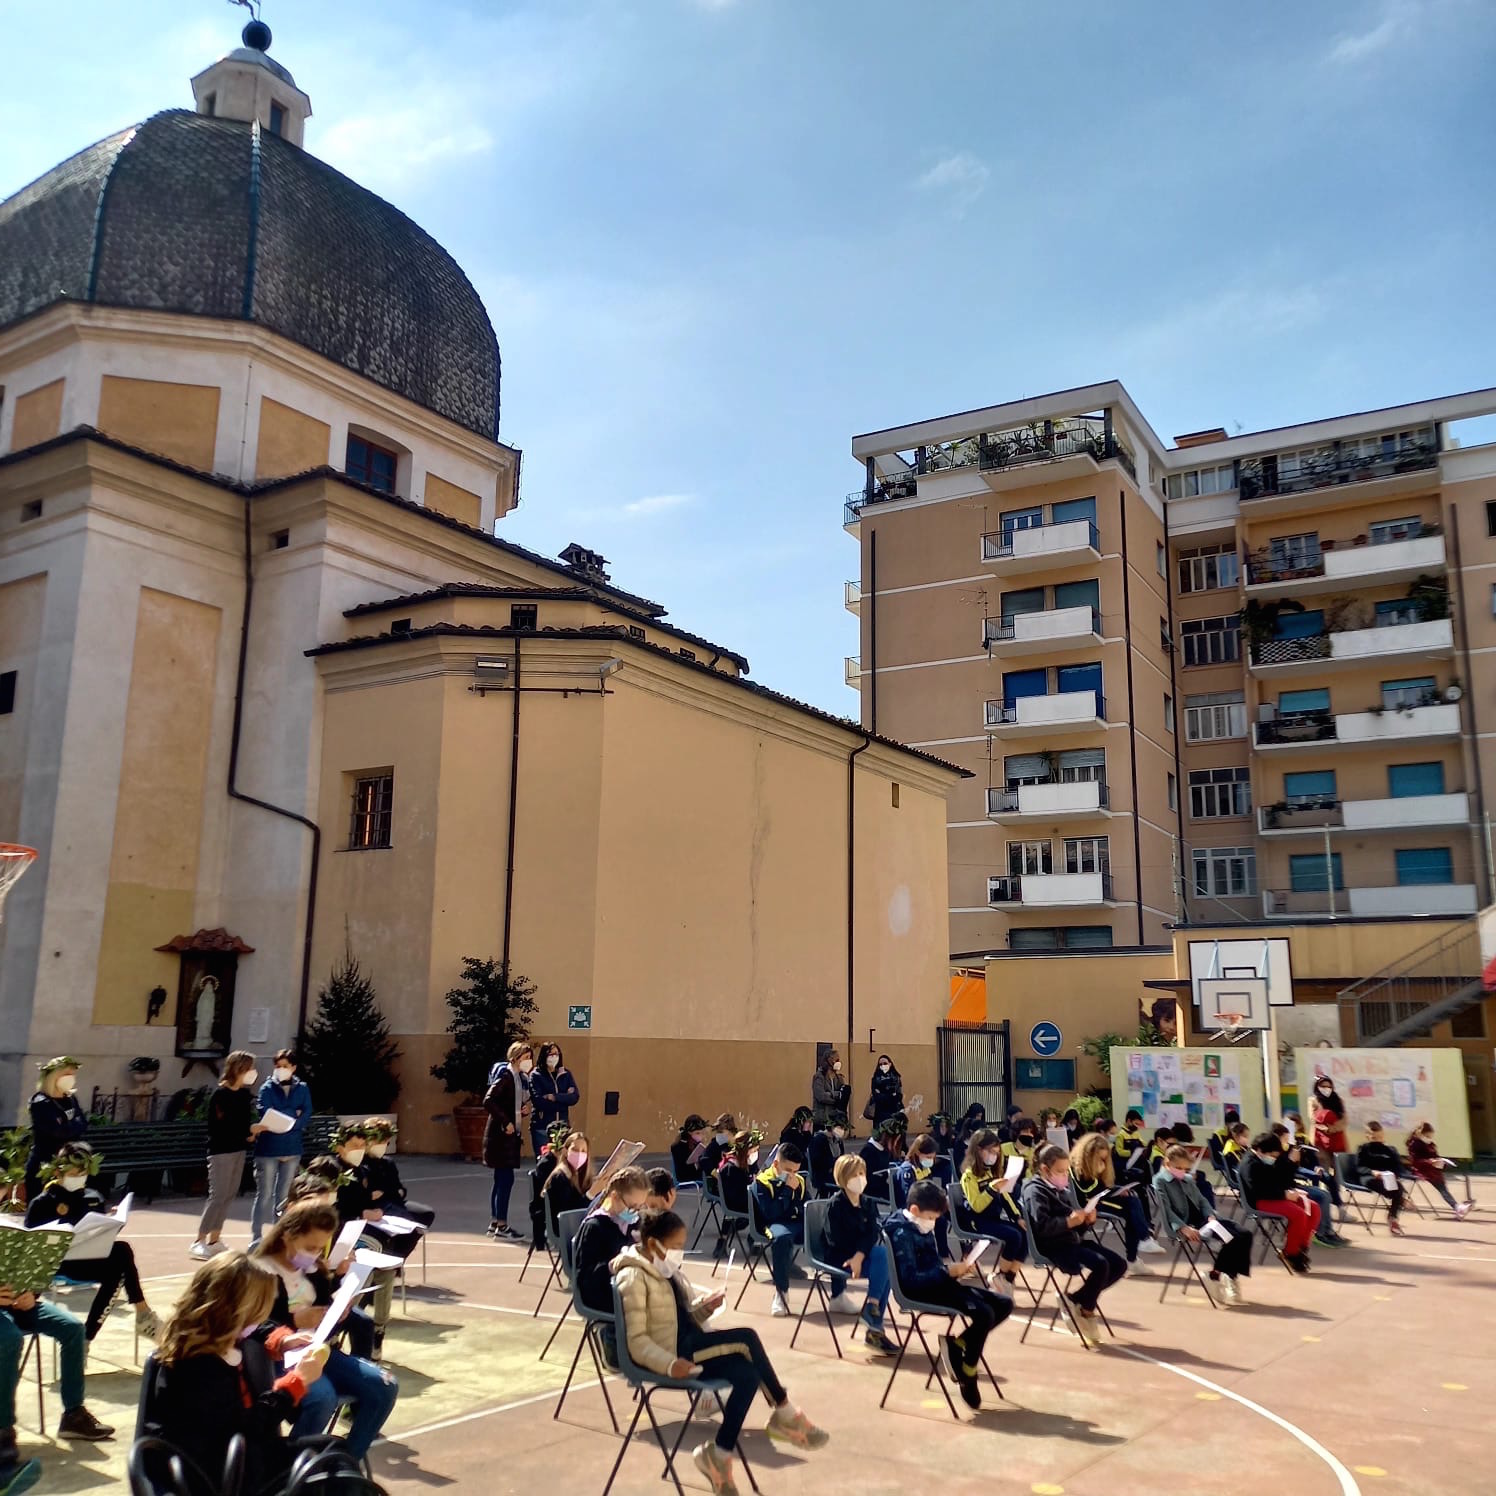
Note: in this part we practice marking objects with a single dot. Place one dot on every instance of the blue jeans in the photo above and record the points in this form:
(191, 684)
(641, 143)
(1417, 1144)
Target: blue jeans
(1134, 1220)
(1326, 1220)
(875, 1269)
(498, 1200)
(273, 1178)
(373, 1392)
(46, 1319)
(782, 1243)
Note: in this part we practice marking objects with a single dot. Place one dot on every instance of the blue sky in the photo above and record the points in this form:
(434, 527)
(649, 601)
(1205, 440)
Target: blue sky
(719, 237)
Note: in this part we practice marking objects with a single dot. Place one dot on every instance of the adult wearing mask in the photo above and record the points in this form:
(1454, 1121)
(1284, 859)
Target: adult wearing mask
(229, 1133)
(1329, 1117)
(56, 1117)
(888, 1092)
(553, 1093)
(502, 1149)
(278, 1154)
(830, 1095)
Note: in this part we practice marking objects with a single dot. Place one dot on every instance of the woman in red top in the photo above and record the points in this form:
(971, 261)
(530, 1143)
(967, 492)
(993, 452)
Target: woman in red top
(1329, 1117)
(1423, 1157)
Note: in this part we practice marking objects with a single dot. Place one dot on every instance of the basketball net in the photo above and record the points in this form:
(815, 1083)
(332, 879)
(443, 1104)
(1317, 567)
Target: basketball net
(14, 860)
(1230, 1026)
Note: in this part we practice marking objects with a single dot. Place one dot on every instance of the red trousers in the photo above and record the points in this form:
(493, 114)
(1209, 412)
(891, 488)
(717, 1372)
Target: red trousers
(1302, 1223)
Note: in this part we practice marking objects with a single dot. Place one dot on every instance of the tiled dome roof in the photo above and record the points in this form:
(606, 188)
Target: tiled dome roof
(214, 217)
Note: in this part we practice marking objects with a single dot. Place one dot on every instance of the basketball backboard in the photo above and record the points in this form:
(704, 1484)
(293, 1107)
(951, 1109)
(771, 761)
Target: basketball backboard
(1244, 996)
(1266, 959)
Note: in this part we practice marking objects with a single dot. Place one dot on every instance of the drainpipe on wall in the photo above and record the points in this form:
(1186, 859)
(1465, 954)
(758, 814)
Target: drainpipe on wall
(278, 810)
(1132, 726)
(1471, 732)
(867, 743)
(513, 819)
(872, 629)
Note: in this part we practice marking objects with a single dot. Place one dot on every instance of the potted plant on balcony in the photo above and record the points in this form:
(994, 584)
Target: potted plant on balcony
(1431, 595)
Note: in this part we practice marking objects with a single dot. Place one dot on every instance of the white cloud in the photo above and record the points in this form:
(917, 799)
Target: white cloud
(658, 504)
(395, 145)
(962, 178)
(1397, 21)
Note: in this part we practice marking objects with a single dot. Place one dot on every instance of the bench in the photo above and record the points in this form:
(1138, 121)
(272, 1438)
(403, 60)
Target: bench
(149, 1149)
(317, 1139)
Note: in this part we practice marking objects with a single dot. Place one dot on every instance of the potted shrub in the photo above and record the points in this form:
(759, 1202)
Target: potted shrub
(144, 1069)
(489, 1012)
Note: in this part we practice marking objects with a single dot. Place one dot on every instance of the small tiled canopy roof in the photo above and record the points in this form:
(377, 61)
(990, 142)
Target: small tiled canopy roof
(215, 217)
(208, 940)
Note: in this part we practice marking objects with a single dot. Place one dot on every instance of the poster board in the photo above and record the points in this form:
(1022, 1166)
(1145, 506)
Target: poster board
(1193, 1086)
(1399, 1087)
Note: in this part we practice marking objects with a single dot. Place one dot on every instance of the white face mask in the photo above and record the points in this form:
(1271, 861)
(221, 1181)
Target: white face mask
(377, 1150)
(250, 1077)
(838, 1133)
(74, 1181)
(855, 1185)
(724, 1137)
(526, 1066)
(836, 1066)
(989, 1157)
(354, 1157)
(552, 1061)
(282, 1073)
(67, 1084)
(923, 1224)
(753, 1159)
(884, 1068)
(675, 1260)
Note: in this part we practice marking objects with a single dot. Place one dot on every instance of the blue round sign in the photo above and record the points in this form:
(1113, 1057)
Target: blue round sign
(1045, 1039)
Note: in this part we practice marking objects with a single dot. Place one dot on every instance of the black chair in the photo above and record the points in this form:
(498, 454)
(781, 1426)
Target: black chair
(755, 1244)
(646, 1385)
(529, 1255)
(156, 1468)
(961, 1237)
(710, 1208)
(592, 1320)
(918, 1310)
(1185, 1251)
(570, 1223)
(821, 1273)
(1360, 1197)
(1052, 1271)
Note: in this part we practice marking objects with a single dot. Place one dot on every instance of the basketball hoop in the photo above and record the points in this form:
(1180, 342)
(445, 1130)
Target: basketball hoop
(1231, 1025)
(14, 860)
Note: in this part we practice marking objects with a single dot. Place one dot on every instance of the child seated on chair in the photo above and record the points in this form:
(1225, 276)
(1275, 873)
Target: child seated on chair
(569, 1185)
(1425, 1162)
(385, 1188)
(799, 1129)
(736, 1175)
(662, 1190)
(926, 1279)
(66, 1198)
(1092, 1175)
(26, 1314)
(545, 1166)
(295, 1247)
(215, 1378)
(1187, 1214)
(1184, 1134)
(1060, 1234)
(692, 1136)
(989, 1204)
(664, 1321)
(881, 1152)
(1022, 1144)
(16, 1474)
(1307, 1180)
(853, 1240)
(604, 1234)
(923, 1161)
(1268, 1188)
(718, 1146)
(779, 1194)
(1377, 1163)
(826, 1146)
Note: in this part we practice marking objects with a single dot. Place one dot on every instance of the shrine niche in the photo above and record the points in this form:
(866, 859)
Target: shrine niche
(205, 994)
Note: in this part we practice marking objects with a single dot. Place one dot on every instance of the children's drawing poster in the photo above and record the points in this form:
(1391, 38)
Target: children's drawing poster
(1193, 1086)
(1399, 1088)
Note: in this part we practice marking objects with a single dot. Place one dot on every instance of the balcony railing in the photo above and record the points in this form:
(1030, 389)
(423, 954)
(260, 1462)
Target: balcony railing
(852, 669)
(1048, 623)
(999, 545)
(1364, 555)
(1302, 813)
(1008, 889)
(1388, 636)
(852, 596)
(1297, 727)
(1048, 797)
(1366, 901)
(999, 714)
(1259, 477)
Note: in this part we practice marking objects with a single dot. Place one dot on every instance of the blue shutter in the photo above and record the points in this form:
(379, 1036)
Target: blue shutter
(1306, 872)
(1424, 865)
(1414, 779)
(1019, 683)
(1072, 509)
(1303, 701)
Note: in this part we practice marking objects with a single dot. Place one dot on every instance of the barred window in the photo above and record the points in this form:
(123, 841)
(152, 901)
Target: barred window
(1220, 792)
(1212, 641)
(373, 806)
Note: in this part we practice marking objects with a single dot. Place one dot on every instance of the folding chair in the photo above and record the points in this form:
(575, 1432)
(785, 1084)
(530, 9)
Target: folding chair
(525, 1266)
(1184, 1250)
(755, 1244)
(918, 1310)
(1360, 1197)
(592, 1320)
(553, 1278)
(646, 1384)
(156, 1468)
(568, 1226)
(34, 1345)
(709, 1209)
(821, 1273)
(1052, 1271)
(961, 1237)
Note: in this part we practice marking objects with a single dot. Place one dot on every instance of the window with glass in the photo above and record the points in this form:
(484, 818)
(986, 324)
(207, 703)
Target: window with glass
(1385, 531)
(1029, 857)
(1194, 481)
(1419, 690)
(1168, 712)
(1073, 766)
(1087, 854)
(1215, 793)
(1211, 641)
(1224, 872)
(1065, 938)
(1215, 715)
(1423, 866)
(371, 464)
(1020, 519)
(373, 811)
(1309, 789)
(1396, 611)
(1173, 793)
(1207, 567)
(1316, 700)
(1405, 780)
(1313, 872)
(1309, 624)
(1295, 552)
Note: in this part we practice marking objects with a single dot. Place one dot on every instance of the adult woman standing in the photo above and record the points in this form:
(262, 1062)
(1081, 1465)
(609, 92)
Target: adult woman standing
(278, 1154)
(56, 1117)
(1329, 1117)
(229, 1134)
(502, 1148)
(829, 1091)
(888, 1092)
(553, 1093)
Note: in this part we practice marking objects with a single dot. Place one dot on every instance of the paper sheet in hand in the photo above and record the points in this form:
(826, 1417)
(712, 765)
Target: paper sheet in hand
(374, 1260)
(1058, 1136)
(346, 1242)
(348, 1290)
(977, 1248)
(696, 1153)
(93, 1236)
(399, 1226)
(1388, 1178)
(1137, 1153)
(621, 1157)
(1014, 1169)
(30, 1259)
(1214, 1228)
(275, 1121)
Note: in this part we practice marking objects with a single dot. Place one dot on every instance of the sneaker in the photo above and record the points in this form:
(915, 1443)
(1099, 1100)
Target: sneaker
(1462, 1210)
(779, 1309)
(1230, 1293)
(1396, 1228)
(493, 1229)
(1332, 1241)
(952, 1353)
(1299, 1263)
(844, 1303)
(791, 1426)
(878, 1342)
(199, 1252)
(1149, 1248)
(717, 1468)
(17, 1478)
(79, 1423)
(148, 1322)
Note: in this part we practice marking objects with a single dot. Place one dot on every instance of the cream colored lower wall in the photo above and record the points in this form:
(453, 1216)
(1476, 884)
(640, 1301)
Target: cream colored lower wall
(21, 605)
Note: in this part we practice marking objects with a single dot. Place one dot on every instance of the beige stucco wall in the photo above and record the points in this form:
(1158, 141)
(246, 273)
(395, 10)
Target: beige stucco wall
(290, 441)
(179, 421)
(21, 611)
(38, 415)
(453, 501)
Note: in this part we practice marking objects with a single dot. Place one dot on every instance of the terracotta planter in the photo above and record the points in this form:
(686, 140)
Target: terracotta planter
(470, 1121)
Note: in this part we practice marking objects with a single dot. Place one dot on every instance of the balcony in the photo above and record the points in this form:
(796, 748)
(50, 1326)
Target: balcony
(1262, 479)
(1430, 720)
(1297, 730)
(1060, 711)
(1051, 890)
(1363, 561)
(1314, 813)
(1036, 633)
(884, 491)
(852, 596)
(1072, 542)
(1068, 800)
(852, 671)
(1430, 638)
(1450, 900)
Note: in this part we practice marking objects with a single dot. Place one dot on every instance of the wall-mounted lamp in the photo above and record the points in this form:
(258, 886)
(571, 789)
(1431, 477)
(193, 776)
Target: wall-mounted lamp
(609, 667)
(155, 1003)
(490, 673)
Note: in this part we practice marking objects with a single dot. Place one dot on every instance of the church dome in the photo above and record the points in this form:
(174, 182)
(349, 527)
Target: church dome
(217, 217)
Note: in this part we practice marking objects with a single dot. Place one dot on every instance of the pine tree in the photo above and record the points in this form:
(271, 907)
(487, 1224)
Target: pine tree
(489, 1013)
(347, 1056)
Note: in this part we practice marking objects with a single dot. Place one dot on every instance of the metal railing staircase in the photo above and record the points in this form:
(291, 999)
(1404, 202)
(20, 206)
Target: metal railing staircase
(1430, 985)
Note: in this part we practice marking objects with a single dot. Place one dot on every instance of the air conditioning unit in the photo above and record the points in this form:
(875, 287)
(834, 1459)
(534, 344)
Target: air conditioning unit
(1267, 711)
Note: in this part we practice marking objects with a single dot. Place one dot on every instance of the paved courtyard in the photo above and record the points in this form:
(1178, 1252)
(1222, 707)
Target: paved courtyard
(1375, 1375)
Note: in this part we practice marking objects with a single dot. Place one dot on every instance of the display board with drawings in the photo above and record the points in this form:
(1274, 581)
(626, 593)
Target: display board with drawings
(1193, 1086)
(1400, 1088)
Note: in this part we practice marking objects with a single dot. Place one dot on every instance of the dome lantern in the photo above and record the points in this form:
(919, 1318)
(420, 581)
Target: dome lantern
(250, 85)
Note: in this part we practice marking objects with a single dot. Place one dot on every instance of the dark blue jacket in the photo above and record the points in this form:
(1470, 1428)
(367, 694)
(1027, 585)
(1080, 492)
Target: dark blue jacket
(878, 1160)
(552, 1096)
(822, 1156)
(905, 1175)
(780, 1198)
(916, 1257)
(295, 1099)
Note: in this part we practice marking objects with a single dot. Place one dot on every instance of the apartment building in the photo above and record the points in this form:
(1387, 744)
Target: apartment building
(1229, 678)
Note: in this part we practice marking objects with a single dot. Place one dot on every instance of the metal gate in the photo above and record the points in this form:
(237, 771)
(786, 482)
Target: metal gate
(975, 1065)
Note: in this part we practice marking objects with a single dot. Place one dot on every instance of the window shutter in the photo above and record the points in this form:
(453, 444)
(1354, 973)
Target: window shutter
(1025, 766)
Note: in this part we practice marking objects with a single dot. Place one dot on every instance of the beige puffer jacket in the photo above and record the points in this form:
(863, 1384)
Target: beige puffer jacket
(647, 1293)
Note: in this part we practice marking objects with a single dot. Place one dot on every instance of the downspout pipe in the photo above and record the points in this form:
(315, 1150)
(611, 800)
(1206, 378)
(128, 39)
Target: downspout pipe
(235, 793)
(1467, 701)
(513, 818)
(852, 757)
